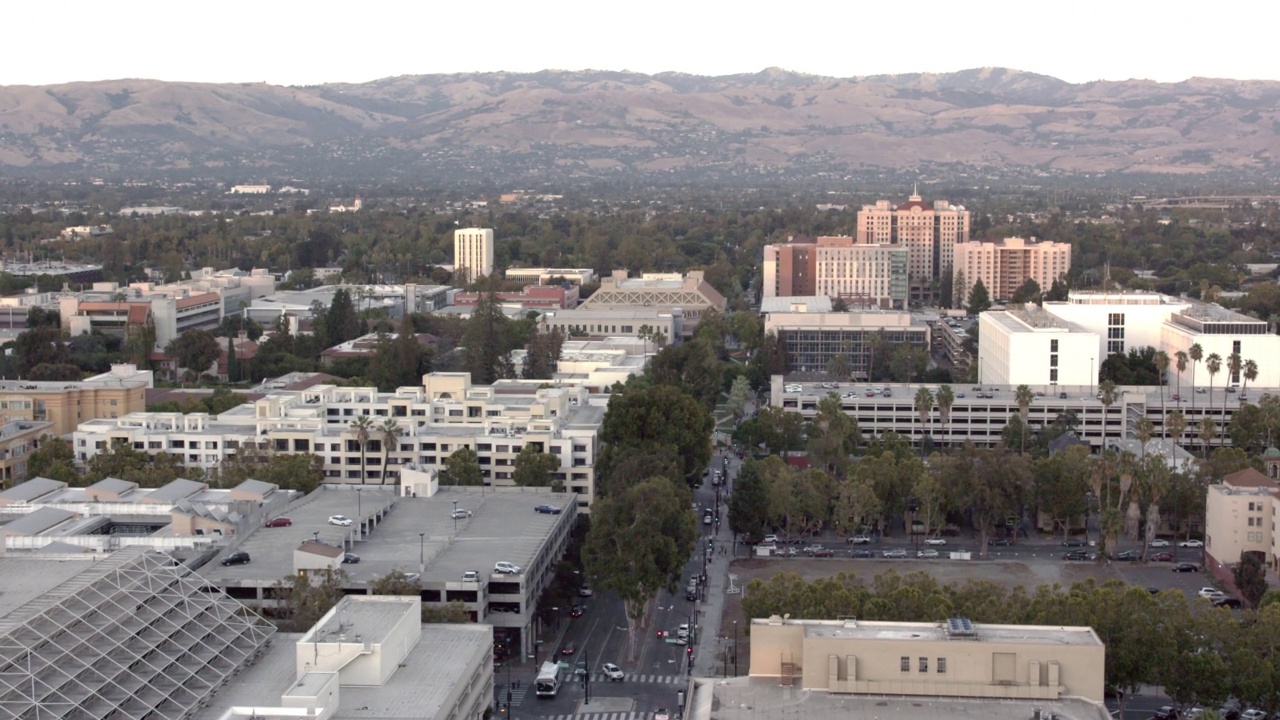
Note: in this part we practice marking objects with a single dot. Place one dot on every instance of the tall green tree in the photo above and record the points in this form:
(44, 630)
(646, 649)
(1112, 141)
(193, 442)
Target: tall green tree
(487, 339)
(462, 467)
(739, 392)
(979, 299)
(341, 321)
(638, 544)
(362, 427)
(655, 417)
(1024, 397)
(195, 350)
(749, 501)
(534, 468)
(946, 400)
(302, 471)
(54, 459)
(389, 433)
(1250, 576)
(542, 354)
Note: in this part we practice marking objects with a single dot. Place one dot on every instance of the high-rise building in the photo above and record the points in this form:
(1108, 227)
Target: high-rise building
(870, 275)
(929, 232)
(1004, 265)
(472, 253)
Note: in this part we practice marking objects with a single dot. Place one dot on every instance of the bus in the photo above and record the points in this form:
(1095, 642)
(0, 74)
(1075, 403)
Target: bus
(549, 679)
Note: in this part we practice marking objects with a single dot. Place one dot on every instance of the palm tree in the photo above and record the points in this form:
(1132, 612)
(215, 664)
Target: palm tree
(1213, 364)
(1196, 353)
(391, 432)
(946, 398)
(363, 427)
(1208, 431)
(1234, 365)
(1180, 358)
(1106, 394)
(1144, 430)
(924, 406)
(1250, 373)
(1162, 365)
(1024, 397)
(1176, 425)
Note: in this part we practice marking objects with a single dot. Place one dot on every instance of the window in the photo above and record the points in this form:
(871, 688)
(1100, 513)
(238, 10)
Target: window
(1053, 376)
(942, 666)
(1053, 346)
(924, 664)
(906, 664)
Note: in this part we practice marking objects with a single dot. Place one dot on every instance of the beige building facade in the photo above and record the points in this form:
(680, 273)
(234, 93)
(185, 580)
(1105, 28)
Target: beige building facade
(951, 659)
(67, 404)
(472, 253)
(930, 233)
(1240, 516)
(864, 275)
(1004, 265)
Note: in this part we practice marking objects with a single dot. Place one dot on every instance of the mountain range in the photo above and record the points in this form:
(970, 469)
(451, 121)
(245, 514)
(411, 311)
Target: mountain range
(600, 124)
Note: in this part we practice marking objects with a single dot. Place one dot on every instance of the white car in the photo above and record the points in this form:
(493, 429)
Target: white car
(928, 554)
(1159, 542)
(1191, 544)
(791, 388)
(1211, 593)
(1253, 714)
(506, 568)
(936, 541)
(769, 540)
(461, 514)
(861, 539)
(342, 520)
(613, 672)
(682, 632)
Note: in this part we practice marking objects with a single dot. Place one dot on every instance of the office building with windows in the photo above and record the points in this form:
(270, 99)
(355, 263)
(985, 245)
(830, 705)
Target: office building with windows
(472, 254)
(812, 339)
(863, 275)
(1003, 266)
(929, 232)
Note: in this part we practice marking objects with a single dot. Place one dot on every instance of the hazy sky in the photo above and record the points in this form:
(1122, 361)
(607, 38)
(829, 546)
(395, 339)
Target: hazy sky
(291, 42)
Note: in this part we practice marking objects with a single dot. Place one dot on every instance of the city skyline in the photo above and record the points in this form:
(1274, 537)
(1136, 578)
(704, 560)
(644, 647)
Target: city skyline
(236, 41)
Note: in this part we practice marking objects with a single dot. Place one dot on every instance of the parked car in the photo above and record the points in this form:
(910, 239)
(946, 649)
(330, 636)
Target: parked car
(1186, 567)
(824, 552)
(278, 522)
(412, 577)
(1228, 602)
(769, 540)
(1158, 543)
(1073, 542)
(927, 554)
(470, 576)
(350, 559)
(811, 549)
(584, 591)
(895, 553)
(935, 541)
(547, 509)
(1077, 555)
(577, 610)
(1001, 542)
(1253, 714)
(1160, 557)
(236, 558)
(461, 514)
(611, 671)
(1211, 593)
(661, 715)
(506, 568)
(1190, 544)
(860, 539)
(861, 554)
(569, 648)
(341, 520)
(1166, 712)
(1127, 556)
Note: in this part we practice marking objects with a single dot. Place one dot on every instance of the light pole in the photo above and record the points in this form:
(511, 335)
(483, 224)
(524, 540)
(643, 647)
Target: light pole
(586, 678)
(359, 516)
(735, 648)
(422, 558)
(455, 516)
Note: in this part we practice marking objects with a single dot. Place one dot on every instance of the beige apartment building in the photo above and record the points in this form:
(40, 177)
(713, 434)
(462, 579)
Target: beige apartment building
(1004, 265)
(867, 275)
(67, 404)
(1240, 514)
(951, 659)
(929, 232)
(472, 253)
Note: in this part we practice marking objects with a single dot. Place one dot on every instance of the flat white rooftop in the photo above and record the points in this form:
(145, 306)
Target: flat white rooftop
(962, 631)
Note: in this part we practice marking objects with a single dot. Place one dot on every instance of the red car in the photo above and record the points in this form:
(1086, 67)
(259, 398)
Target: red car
(278, 522)
(1161, 557)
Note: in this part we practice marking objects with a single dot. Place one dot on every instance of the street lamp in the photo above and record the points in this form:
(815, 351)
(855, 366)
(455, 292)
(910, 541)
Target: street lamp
(455, 516)
(422, 558)
(359, 515)
(735, 648)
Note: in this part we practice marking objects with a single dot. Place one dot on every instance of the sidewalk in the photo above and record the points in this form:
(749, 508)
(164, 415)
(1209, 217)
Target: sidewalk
(709, 646)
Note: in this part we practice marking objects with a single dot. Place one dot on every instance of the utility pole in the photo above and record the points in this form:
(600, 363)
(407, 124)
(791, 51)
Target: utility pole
(586, 678)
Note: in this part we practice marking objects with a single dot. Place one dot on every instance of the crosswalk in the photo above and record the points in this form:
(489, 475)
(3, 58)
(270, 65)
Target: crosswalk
(634, 715)
(652, 678)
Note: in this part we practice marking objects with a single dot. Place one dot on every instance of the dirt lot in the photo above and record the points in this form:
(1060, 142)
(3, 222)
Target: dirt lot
(1010, 573)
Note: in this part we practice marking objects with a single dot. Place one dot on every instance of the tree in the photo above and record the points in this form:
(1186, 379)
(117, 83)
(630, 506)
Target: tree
(1180, 362)
(694, 367)
(55, 372)
(362, 426)
(195, 350)
(534, 468)
(1057, 291)
(486, 339)
(301, 471)
(1027, 292)
(233, 365)
(1107, 395)
(395, 583)
(304, 598)
(857, 505)
(659, 416)
(1250, 373)
(39, 345)
(776, 429)
(749, 501)
(391, 433)
(840, 367)
(1208, 430)
(979, 299)
(1162, 367)
(924, 406)
(542, 355)
(1250, 577)
(454, 612)
(341, 321)
(1213, 364)
(54, 459)
(946, 399)
(1024, 397)
(1176, 424)
(638, 544)
(1196, 353)
(986, 481)
(1060, 484)
(796, 498)
(739, 392)
(121, 460)
(462, 467)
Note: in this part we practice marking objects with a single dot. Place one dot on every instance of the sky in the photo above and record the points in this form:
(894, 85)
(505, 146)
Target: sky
(289, 42)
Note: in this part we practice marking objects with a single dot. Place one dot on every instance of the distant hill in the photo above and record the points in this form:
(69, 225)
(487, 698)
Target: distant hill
(612, 124)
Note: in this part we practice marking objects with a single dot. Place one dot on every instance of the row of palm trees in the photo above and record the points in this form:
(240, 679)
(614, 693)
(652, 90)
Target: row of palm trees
(364, 429)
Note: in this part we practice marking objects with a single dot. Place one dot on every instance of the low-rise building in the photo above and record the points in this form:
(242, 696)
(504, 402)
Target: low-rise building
(812, 339)
(532, 297)
(365, 346)
(691, 294)
(861, 274)
(1240, 516)
(951, 659)
(597, 365)
(549, 276)
(622, 322)
(1030, 346)
(118, 392)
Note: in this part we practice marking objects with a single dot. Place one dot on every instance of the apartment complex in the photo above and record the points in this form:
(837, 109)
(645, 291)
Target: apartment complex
(957, 658)
(1241, 516)
(1099, 324)
(863, 275)
(18, 439)
(1004, 265)
(65, 405)
(472, 254)
(690, 294)
(811, 339)
(929, 232)
(445, 414)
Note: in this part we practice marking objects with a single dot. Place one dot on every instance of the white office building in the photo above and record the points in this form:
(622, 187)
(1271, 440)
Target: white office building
(472, 253)
(1034, 347)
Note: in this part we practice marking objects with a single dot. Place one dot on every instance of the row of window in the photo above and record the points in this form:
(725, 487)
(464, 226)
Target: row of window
(924, 665)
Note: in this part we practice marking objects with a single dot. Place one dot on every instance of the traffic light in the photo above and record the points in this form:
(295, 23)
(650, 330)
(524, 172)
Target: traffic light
(689, 651)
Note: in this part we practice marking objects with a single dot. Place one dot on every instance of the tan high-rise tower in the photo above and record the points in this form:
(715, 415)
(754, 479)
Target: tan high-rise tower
(929, 232)
(472, 253)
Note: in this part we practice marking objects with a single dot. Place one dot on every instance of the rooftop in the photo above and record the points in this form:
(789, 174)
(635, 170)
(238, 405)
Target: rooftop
(864, 630)
(372, 621)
